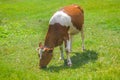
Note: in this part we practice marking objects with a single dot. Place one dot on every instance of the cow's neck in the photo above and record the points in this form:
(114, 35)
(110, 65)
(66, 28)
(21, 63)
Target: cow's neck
(50, 40)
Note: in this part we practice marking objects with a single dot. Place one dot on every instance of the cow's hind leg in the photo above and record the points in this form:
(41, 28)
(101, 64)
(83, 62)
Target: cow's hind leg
(82, 36)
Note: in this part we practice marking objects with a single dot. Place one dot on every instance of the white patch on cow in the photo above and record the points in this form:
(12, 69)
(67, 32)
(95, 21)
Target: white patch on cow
(62, 18)
(69, 62)
(61, 53)
(68, 47)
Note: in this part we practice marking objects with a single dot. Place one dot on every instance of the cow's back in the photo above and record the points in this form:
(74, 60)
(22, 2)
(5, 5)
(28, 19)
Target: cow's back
(77, 15)
(69, 16)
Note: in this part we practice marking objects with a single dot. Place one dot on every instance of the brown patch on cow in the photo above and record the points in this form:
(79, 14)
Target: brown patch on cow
(56, 35)
(77, 15)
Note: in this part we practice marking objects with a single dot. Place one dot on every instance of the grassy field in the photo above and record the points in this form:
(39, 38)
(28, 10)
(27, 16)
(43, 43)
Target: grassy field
(24, 23)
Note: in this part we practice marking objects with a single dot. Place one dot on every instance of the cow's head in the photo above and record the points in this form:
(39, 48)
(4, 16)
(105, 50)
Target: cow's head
(45, 55)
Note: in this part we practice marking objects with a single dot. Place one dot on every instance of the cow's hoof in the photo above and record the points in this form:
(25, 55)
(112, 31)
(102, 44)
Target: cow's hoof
(69, 65)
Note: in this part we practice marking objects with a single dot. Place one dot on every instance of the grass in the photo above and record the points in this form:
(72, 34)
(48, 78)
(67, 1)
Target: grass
(24, 23)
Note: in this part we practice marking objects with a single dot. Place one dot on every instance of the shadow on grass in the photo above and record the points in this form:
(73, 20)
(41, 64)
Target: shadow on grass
(78, 60)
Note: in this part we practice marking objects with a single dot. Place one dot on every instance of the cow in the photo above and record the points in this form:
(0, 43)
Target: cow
(64, 23)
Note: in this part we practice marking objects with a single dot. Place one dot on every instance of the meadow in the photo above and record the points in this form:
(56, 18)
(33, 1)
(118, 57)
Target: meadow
(24, 23)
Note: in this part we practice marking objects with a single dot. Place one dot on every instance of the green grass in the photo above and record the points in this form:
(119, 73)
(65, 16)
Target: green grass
(24, 23)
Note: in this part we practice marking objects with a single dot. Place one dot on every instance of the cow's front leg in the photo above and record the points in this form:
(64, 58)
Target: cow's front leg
(68, 49)
(61, 52)
(70, 36)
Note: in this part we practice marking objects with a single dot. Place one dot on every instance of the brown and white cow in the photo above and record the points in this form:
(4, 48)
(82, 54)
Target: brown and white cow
(65, 23)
